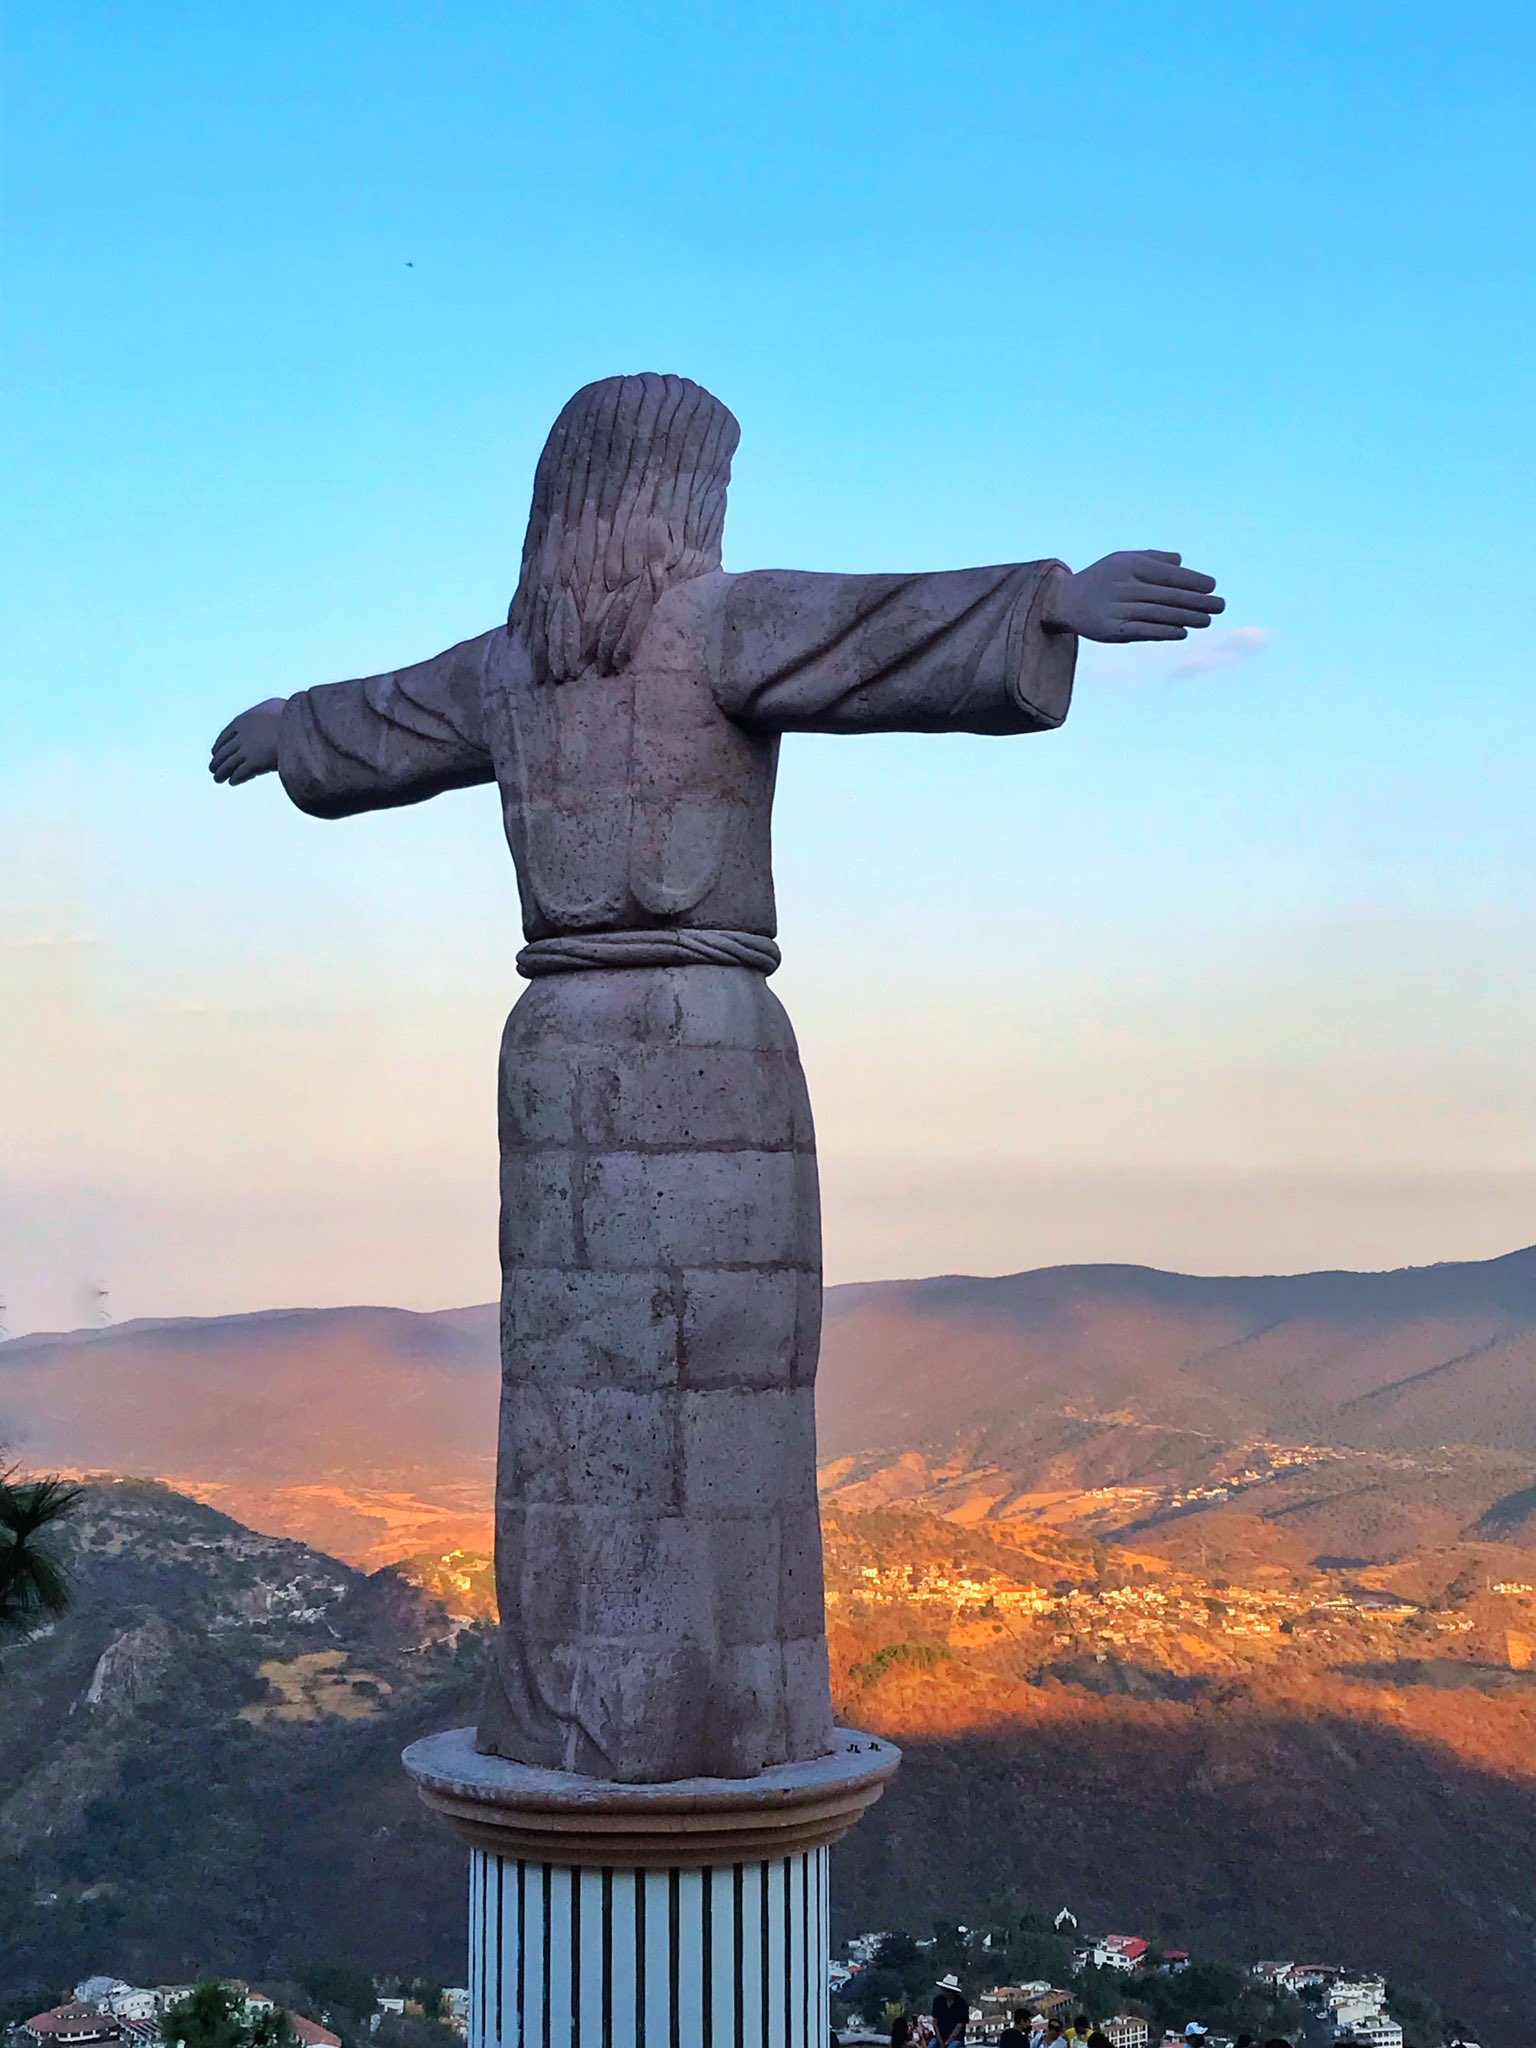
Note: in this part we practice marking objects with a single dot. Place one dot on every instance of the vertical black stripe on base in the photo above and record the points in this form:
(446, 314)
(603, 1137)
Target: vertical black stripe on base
(501, 1934)
(522, 1924)
(764, 1950)
(820, 1950)
(483, 1988)
(674, 1958)
(738, 2039)
(607, 1959)
(707, 1944)
(805, 1950)
(575, 1955)
(640, 1958)
(547, 1876)
(789, 1960)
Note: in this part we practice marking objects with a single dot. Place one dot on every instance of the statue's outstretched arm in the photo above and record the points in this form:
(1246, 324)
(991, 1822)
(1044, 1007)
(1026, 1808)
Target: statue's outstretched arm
(368, 745)
(959, 650)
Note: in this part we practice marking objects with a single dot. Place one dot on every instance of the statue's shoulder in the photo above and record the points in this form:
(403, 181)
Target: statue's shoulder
(684, 629)
(694, 601)
(504, 663)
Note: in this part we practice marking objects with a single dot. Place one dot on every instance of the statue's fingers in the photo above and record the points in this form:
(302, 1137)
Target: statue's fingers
(241, 772)
(1144, 613)
(1169, 572)
(1151, 632)
(1157, 555)
(228, 733)
(1144, 591)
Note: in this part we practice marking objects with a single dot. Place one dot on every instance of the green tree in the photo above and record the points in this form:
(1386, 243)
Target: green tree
(1220, 1995)
(1099, 1991)
(877, 1990)
(345, 1998)
(213, 2015)
(950, 1951)
(1422, 2021)
(410, 2030)
(1032, 1956)
(34, 1584)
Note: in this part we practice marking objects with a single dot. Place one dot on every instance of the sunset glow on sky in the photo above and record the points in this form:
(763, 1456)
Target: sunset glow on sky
(1234, 973)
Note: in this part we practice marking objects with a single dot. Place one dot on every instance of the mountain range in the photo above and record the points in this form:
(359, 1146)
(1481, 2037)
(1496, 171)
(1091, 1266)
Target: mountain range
(370, 1431)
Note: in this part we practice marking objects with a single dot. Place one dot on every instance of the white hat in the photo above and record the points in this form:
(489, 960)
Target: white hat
(1194, 2031)
(949, 1983)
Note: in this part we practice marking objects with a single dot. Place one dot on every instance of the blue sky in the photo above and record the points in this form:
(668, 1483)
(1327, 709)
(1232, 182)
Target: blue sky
(1234, 971)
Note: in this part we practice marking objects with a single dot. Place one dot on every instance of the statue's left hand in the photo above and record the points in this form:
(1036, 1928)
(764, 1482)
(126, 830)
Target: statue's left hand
(1137, 594)
(248, 744)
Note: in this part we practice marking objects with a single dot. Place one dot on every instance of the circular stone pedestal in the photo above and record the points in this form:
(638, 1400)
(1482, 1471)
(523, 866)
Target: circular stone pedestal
(688, 1915)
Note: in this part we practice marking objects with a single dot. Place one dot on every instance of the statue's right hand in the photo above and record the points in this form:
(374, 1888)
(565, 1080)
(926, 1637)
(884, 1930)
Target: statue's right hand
(1137, 594)
(248, 744)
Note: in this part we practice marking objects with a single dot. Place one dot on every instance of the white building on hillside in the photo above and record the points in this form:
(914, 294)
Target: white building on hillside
(1378, 2031)
(862, 1948)
(1118, 1952)
(123, 2001)
(1125, 2032)
(132, 2003)
(1353, 1999)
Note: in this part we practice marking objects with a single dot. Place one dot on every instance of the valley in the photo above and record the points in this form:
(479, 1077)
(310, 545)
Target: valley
(1206, 1606)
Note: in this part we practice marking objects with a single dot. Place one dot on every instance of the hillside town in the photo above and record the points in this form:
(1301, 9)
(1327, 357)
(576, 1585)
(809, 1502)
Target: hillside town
(1139, 1616)
(1126, 1990)
(1168, 1615)
(108, 2012)
(1118, 1986)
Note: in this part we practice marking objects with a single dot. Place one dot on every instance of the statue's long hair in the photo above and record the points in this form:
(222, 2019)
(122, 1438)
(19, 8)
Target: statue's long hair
(628, 499)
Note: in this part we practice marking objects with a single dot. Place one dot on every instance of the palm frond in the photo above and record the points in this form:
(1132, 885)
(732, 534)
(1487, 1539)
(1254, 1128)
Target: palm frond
(33, 1579)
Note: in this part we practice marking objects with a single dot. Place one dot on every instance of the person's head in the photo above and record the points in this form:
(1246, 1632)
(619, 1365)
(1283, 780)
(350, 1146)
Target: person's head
(1081, 2024)
(901, 2031)
(1194, 2033)
(1245, 2041)
(628, 499)
(1098, 2040)
(1020, 2017)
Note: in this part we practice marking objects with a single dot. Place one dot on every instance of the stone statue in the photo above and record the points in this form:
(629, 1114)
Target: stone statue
(658, 1551)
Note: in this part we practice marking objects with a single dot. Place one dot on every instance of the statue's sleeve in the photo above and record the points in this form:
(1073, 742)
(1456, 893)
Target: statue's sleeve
(390, 739)
(963, 650)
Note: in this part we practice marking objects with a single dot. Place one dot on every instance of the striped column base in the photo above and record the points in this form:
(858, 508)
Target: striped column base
(692, 1915)
(672, 1958)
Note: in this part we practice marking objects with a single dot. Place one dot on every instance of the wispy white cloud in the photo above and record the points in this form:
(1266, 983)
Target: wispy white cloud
(1220, 650)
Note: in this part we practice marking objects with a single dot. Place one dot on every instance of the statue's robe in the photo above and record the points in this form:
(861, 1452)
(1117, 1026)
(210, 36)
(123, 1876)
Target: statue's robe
(658, 1545)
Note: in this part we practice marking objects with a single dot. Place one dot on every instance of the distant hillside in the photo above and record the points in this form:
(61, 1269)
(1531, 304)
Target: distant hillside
(291, 1395)
(371, 1431)
(199, 1764)
(1401, 1361)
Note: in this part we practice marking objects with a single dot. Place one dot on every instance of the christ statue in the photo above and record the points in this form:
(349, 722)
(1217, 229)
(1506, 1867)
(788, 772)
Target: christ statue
(658, 1549)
